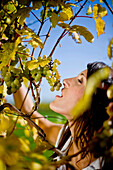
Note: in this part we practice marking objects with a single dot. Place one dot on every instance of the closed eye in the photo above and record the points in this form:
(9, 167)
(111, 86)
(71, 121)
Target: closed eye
(80, 80)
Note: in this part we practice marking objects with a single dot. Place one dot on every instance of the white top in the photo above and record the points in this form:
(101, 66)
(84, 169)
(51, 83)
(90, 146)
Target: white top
(94, 165)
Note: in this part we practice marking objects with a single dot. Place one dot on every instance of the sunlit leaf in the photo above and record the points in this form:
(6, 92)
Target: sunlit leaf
(100, 26)
(110, 49)
(2, 165)
(66, 14)
(89, 10)
(75, 36)
(22, 14)
(99, 11)
(8, 52)
(102, 12)
(84, 32)
(95, 11)
(101, 1)
(32, 64)
(35, 64)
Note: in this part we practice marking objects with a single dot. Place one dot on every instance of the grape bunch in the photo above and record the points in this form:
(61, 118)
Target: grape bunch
(49, 71)
(12, 77)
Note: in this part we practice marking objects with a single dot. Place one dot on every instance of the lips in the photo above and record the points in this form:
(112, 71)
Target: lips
(61, 94)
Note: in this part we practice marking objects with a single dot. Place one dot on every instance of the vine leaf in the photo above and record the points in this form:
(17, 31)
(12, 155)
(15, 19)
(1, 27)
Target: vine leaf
(84, 32)
(100, 26)
(66, 14)
(8, 52)
(22, 14)
(98, 13)
(110, 49)
(54, 19)
(33, 64)
(27, 33)
(89, 10)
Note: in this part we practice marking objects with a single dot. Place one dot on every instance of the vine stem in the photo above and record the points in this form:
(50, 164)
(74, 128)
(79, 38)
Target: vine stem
(45, 40)
(65, 29)
(35, 16)
(108, 6)
(42, 22)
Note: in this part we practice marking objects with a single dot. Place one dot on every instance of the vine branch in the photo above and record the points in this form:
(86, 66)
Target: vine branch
(108, 6)
(65, 29)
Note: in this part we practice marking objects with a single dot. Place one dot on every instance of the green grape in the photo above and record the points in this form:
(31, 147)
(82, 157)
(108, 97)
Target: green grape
(52, 88)
(52, 79)
(47, 77)
(59, 84)
(3, 71)
(13, 89)
(57, 88)
(8, 83)
(37, 77)
(49, 73)
(16, 82)
(57, 61)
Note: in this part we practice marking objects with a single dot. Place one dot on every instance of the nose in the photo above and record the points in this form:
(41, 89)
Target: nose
(67, 82)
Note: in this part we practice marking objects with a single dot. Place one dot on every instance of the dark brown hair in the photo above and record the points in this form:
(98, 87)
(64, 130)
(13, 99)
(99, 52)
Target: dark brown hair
(92, 120)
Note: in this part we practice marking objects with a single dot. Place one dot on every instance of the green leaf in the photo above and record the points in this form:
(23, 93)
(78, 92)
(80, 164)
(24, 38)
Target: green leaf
(32, 64)
(65, 26)
(84, 32)
(10, 7)
(102, 12)
(22, 14)
(35, 64)
(54, 19)
(8, 52)
(110, 49)
(37, 5)
(28, 33)
(35, 42)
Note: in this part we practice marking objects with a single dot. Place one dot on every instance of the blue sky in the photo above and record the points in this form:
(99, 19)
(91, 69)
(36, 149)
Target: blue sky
(74, 57)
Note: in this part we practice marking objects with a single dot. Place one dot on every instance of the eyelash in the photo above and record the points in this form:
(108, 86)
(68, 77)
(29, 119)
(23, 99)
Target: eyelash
(80, 81)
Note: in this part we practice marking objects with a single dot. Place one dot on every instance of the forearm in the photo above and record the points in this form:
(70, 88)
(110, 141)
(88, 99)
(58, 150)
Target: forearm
(25, 105)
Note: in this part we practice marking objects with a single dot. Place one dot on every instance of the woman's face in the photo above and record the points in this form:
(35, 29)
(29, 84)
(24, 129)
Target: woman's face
(71, 93)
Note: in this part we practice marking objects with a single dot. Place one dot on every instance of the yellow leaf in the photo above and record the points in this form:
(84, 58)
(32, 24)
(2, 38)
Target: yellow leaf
(26, 81)
(110, 49)
(89, 10)
(66, 14)
(32, 64)
(68, 11)
(2, 165)
(95, 11)
(100, 26)
(101, 1)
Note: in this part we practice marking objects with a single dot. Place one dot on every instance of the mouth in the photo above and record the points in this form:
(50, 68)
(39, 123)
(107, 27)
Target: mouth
(60, 96)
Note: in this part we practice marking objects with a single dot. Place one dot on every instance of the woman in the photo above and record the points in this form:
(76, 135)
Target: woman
(84, 127)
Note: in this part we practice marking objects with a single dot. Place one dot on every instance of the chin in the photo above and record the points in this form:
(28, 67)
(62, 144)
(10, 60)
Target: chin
(59, 110)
